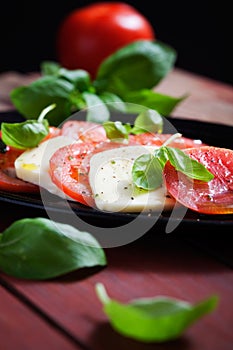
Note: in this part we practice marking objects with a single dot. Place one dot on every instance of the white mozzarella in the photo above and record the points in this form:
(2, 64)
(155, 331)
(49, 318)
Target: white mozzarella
(112, 184)
(33, 164)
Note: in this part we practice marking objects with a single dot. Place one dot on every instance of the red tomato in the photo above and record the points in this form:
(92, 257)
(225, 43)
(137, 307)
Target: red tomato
(181, 142)
(53, 132)
(8, 181)
(69, 169)
(213, 197)
(158, 140)
(146, 139)
(84, 131)
(89, 34)
(93, 132)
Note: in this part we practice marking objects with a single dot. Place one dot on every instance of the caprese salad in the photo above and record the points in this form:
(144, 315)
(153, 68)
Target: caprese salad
(113, 168)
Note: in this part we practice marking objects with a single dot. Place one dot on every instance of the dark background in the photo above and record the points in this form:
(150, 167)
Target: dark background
(199, 31)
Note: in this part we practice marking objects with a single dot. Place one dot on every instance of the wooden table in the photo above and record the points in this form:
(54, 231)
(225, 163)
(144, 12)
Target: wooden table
(65, 314)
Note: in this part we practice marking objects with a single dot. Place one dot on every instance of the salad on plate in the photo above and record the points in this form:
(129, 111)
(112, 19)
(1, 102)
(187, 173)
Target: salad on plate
(116, 166)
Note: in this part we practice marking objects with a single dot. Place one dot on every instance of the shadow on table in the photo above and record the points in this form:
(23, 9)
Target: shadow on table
(180, 254)
(105, 338)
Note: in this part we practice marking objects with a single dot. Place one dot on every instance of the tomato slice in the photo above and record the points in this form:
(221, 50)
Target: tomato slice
(8, 180)
(146, 139)
(93, 132)
(53, 132)
(213, 197)
(159, 139)
(84, 131)
(182, 142)
(70, 174)
(70, 165)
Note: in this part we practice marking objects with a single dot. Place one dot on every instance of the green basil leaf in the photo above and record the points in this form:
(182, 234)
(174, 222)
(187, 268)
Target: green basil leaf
(27, 134)
(117, 131)
(30, 100)
(147, 169)
(147, 172)
(148, 121)
(113, 101)
(77, 101)
(156, 319)
(139, 65)
(97, 111)
(50, 68)
(39, 248)
(190, 167)
(24, 135)
(79, 77)
(164, 104)
(161, 155)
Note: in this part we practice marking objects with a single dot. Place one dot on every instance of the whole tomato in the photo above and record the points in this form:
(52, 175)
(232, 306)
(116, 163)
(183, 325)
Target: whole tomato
(91, 33)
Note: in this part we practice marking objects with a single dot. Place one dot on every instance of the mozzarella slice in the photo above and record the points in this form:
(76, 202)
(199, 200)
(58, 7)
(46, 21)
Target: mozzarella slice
(33, 164)
(112, 184)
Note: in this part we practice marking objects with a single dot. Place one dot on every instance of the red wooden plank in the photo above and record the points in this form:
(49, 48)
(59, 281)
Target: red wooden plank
(207, 100)
(22, 329)
(158, 266)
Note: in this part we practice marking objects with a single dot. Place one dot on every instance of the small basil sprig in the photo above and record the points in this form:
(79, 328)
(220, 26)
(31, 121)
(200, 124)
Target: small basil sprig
(147, 169)
(27, 134)
(156, 319)
(117, 131)
(40, 248)
(147, 121)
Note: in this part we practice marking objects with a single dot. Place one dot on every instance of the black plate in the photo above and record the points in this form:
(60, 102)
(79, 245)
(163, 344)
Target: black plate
(213, 134)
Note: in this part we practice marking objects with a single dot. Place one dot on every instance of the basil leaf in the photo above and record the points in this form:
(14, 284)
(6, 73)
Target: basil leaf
(146, 168)
(161, 155)
(79, 77)
(148, 121)
(116, 131)
(30, 100)
(164, 104)
(97, 111)
(24, 135)
(190, 167)
(77, 101)
(113, 101)
(139, 65)
(27, 134)
(156, 319)
(39, 248)
(50, 68)
(147, 172)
